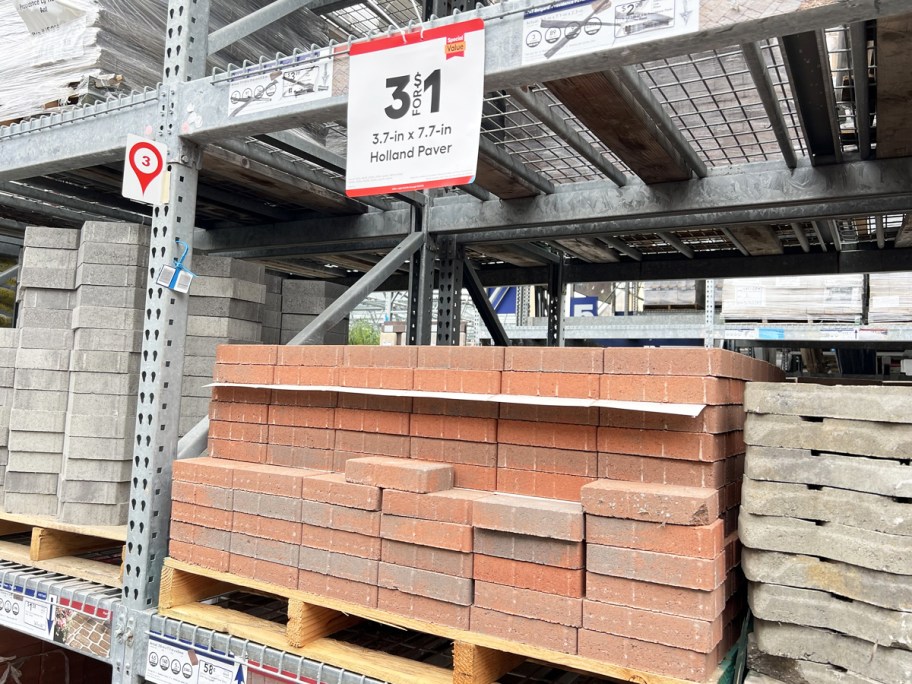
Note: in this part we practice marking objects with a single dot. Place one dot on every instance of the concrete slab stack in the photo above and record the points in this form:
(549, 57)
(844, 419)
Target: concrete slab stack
(9, 338)
(107, 327)
(271, 315)
(302, 301)
(827, 531)
(47, 280)
(593, 532)
(226, 307)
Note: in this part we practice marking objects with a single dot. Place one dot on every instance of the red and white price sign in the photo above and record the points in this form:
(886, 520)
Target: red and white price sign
(144, 170)
(414, 109)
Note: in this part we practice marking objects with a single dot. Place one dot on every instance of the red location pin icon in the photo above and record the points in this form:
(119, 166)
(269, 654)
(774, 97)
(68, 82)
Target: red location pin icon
(146, 162)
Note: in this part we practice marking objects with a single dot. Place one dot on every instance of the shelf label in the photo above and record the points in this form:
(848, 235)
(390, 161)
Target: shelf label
(295, 80)
(169, 663)
(28, 614)
(575, 27)
(144, 171)
(414, 109)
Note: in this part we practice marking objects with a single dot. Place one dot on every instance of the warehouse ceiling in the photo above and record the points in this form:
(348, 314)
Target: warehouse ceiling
(637, 137)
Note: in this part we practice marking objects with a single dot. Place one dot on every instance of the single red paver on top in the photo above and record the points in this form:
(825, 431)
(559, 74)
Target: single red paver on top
(409, 475)
(658, 503)
(530, 515)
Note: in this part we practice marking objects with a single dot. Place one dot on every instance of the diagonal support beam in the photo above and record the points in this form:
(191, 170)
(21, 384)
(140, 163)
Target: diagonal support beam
(537, 104)
(678, 244)
(520, 172)
(753, 56)
(9, 273)
(879, 230)
(802, 238)
(735, 241)
(479, 297)
(623, 247)
(243, 27)
(861, 85)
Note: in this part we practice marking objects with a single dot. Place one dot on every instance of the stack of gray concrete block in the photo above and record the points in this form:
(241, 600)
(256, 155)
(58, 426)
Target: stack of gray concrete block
(226, 302)
(272, 310)
(303, 301)
(9, 338)
(104, 368)
(37, 420)
(826, 523)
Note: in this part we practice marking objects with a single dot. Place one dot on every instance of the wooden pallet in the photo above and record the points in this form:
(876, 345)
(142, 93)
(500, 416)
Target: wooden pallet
(62, 547)
(477, 658)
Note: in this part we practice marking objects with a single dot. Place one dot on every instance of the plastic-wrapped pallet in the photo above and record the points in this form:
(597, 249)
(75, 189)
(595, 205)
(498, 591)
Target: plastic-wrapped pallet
(661, 293)
(60, 49)
(806, 298)
(891, 297)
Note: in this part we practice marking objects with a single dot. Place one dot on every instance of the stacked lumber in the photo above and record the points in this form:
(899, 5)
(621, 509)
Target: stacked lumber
(602, 533)
(825, 522)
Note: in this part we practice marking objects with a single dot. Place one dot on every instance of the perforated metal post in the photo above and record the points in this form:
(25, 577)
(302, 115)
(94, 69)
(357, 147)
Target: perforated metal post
(421, 285)
(556, 304)
(449, 295)
(709, 315)
(164, 330)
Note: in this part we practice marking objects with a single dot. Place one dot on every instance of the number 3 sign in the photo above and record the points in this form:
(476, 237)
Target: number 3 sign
(414, 109)
(144, 170)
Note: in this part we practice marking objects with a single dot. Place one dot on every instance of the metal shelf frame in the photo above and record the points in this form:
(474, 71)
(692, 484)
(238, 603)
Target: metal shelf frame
(826, 206)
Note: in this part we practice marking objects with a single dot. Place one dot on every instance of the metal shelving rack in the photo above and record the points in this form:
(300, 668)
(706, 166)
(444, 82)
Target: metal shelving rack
(745, 105)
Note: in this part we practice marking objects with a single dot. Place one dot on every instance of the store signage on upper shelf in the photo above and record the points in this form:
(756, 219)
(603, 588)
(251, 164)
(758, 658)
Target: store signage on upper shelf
(171, 663)
(575, 27)
(414, 109)
(144, 171)
(293, 80)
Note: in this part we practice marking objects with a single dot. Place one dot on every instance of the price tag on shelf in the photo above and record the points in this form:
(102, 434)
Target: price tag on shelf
(169, 663)
(29, 614)
(294, 80)
(414, 109)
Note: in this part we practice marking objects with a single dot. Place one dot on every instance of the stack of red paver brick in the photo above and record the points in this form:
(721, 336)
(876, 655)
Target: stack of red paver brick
(598, 532)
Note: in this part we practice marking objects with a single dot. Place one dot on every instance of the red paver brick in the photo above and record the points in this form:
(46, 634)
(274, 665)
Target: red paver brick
(461, 358)
(299, 457)
(304, 398)
(543, 578)
(202, 495)
(380, 357)
(453, 452)
(239, 432)
(384, 422)
(302, 416)
(655, 503)
(271, 550)
(330, 356)
(690, 446)
(343, 566)
(254, 525)
(377, 377)
(332, 488)
(338, 517)
(269, 479)
(561, 610)
(644, 655)
(458, 428)
(694, 603)
(340, 541)
(553, 435)
(246, 374)
(204, 470)
(237, 451)
(713, 419)
(671, 630)
(304, 437)
(566, 385)
(423, 608)
(238, 412)
(264, 571)
(546, 485)
(444, 561)
(455, 407)
(554, 360)
(337, 588)
(672, 389)
(264, 354)
(447, 588)
(462, 381)
(242, 395)
(703, 541)
(311, 376)
(452, 505)
(367, 402)
(268, 505)
(662, 568)
(714, 474)
(535, 413)
(545, 460)
(427, 532)
(372, 443)
(530, 515)
(213, 559)
(515, 628)
(541, 550)
(409, 475)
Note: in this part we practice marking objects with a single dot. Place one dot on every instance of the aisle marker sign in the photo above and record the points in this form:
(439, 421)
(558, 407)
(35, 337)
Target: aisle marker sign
(144, 170)
(414, 109)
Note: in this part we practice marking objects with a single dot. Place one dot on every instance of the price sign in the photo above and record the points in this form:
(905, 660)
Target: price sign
(144, 170)
(169, 663)
(414, 109)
